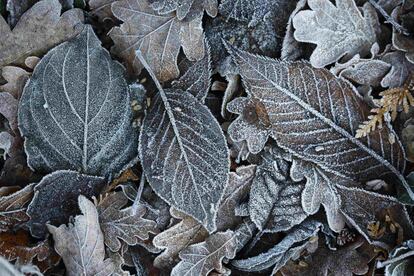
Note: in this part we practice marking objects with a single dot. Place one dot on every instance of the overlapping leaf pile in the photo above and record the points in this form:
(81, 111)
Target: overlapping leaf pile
(206, 137)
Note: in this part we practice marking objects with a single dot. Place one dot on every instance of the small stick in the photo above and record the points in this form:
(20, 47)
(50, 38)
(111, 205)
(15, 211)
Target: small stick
(389, 19)
(136, 203)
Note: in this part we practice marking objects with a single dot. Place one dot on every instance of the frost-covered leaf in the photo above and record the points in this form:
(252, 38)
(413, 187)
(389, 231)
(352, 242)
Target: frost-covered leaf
(39, 29)
(101, 8)
(75, 112)
(275, 199)
(8, 108)
(205, 257)
(337, 30)
(362, 208)
(188, 231)
(401, 68)
(186, 9)
(367, 72)
(125, 224)
(7, 269)
(314, 115)
(15, 78)
(401, 260)
(12, 210)
(401, 41)
(196, 80)
(277, 256)
(184, 153)
(81, 244)
(158, 37)
(56, 198)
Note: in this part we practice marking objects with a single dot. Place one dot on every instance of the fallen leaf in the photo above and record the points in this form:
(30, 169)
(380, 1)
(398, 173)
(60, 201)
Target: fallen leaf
(158, 37)
(101, 9)
(400, 261)
(186, 9)
(314, 115)
(125, 224)
(81, 244)
(12, 208)
(38, 30)
(7, 269)
(16, 78)
(401, 69)
(202, 258)
(55, 198)
(337, 31)
(184, 153)
(80, 118)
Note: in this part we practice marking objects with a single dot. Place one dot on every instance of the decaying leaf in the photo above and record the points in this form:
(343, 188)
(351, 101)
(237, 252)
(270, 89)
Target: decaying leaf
(202, 258)
(366, 72)
(188, 231)
(314, 115)
(125, 224)
(55, 188)
(401, 69)
(7, 269)
(12, 207)
(81, 244)
(184, 153)
(186, 9)
(275, 199)
(39, 29)
(362, 208)
(75, 112)
(158, 37)
(337, 30)
(277, 256)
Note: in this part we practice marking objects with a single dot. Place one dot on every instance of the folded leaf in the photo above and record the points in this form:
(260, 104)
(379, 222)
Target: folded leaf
(81, 244)
(75, 112)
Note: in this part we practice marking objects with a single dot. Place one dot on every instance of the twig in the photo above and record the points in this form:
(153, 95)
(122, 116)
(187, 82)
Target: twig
(389, 19)
(137, 199)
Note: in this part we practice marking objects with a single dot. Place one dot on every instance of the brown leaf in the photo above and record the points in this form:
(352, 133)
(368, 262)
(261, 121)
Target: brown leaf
(38, 30)
(12, 210)
(159, 37)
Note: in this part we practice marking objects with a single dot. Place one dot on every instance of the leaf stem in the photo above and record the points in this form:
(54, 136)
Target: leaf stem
(137, 199)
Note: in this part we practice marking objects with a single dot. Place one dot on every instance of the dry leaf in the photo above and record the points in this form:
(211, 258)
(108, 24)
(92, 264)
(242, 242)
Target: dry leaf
(158, 37)
(337, 31)
(401, 69)
(202, 258)
(12, 210)
(38, 30)
(125, 224)
(186, 9)
(55, 188)
(81, 244)
(7, 269)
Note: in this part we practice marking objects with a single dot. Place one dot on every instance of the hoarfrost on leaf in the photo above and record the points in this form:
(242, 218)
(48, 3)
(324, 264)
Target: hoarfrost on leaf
(186, 9)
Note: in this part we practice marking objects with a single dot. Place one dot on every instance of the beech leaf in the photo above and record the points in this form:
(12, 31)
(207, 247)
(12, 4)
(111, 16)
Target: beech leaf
(12, 210)
(55, 188)
(337, 30)
(158, 37)
(314, 115)
(184, 153)
(81, 244)
(202, 258)
(39, 29)
(126, 224)
(75, 112)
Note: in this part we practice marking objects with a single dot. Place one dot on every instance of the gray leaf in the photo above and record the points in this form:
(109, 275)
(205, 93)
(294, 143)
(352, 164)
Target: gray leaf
(123, 224)
(184, 154)
(314, 115)
(367, 72)
(186, 9)
(401, 68)
(337, 31)
(75, 112)
(55, 188)
(81, 244)
(281, 253)
(7, 269)
(202, 258)
(275, 199)
(401, 261)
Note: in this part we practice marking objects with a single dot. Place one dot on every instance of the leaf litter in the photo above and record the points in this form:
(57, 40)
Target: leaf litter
(206, 137)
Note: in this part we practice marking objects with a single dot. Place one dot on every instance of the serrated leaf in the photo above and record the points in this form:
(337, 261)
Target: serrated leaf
(184, 154)
(75, 112)
(275, 199)
(314, 115)
(55, 188)
(337, 30)
(12, 210)
(362, 207)
(188, 231)
(281, 253)
(158, 37)
(186, 9)
(125, 224)
(39, 29)
(202, 258)
(81, 244)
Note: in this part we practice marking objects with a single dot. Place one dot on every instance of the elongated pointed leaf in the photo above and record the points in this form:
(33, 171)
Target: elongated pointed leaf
(75, 112)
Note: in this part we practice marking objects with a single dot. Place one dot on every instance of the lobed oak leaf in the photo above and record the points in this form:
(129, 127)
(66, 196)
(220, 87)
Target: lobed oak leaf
(81, 244)
(39, 29)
